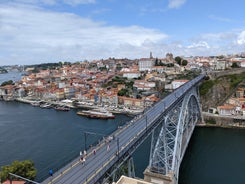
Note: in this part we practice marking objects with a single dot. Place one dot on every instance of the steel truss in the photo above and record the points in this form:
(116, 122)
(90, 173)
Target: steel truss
(176, 130)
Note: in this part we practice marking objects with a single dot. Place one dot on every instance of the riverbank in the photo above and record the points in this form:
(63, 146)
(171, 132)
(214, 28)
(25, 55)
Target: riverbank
(69, 103)
(215, 120)
(221, 126)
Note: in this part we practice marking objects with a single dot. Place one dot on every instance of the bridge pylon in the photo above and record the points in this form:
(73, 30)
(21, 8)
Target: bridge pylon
(175, 132)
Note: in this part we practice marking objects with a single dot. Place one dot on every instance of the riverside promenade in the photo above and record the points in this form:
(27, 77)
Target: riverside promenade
(70, 104)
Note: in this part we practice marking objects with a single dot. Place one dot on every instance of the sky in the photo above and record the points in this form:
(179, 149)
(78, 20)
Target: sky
(47, 31)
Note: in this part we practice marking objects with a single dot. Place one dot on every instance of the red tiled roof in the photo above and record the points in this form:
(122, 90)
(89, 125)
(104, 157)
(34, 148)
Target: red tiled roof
(14, 182)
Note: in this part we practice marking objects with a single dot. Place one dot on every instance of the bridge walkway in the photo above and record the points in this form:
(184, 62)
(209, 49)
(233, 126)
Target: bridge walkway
(96, 165)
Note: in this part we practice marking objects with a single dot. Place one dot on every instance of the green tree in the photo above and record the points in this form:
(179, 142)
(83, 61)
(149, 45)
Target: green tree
(178, 60)
(235, 65)
(24, 168)
(122, 92)
(184, 62)
(9, 82)
(156, 62)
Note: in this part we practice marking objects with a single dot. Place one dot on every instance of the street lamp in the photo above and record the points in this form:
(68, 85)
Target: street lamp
(146, 121)
(89, 133)
(118, 148)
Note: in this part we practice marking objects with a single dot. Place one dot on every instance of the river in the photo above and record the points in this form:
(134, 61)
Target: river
(48, 137)
(52, 138)
(14, 76)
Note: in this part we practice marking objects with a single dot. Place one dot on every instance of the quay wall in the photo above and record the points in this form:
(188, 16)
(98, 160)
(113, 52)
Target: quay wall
(223, 121)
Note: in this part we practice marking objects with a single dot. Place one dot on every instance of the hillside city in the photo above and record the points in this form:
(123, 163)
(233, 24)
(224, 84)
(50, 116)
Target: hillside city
(119, 85)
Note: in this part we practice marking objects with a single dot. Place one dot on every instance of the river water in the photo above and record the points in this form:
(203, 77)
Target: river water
(52, 138)
(14, 76)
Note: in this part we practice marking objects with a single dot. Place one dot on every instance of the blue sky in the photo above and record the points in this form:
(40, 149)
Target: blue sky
(41, 31)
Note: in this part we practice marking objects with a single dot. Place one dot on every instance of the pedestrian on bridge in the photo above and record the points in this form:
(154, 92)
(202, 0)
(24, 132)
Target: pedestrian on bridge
(85, 153)
(94, 151)
(108, 147)
(51, 172)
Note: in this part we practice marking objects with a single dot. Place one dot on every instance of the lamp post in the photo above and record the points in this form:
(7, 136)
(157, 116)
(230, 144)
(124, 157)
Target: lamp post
(89, 133)
(118, 148)
(146, 121)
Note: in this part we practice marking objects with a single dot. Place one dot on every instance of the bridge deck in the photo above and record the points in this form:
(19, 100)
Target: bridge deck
(97, 164)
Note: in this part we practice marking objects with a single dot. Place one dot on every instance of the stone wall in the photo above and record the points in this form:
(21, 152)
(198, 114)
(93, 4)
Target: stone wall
(223, 121)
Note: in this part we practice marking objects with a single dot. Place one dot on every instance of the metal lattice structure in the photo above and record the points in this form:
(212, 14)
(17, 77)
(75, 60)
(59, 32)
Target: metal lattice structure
(176, 130)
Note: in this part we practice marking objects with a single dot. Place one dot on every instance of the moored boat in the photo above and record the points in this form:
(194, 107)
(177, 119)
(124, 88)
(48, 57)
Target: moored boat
(97, 114)
(46, 105)
(35, 103)
(62, 108)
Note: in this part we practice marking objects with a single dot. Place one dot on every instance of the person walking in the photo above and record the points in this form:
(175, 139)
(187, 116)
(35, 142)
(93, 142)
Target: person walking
(81, 156)
(51, 172)
(108, 147)
(85, 153)
(94, 151)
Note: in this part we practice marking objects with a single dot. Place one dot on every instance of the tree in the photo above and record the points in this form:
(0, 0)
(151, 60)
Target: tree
(24, 168)
(184, 62)
(235, 65)
(156, 62)
(9, 82)
(178, 60)
(123, 92)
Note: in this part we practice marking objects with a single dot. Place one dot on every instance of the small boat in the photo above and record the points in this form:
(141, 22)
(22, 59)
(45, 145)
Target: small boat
(96, 113)
(62, 108)
(46, 105)
(35, 104)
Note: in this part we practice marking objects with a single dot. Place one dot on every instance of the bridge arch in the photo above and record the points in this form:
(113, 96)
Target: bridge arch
(176, 130)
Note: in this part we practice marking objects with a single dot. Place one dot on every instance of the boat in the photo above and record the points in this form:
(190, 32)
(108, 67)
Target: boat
(62, 108)
(46, 105)
(35, 103)
(96, 113)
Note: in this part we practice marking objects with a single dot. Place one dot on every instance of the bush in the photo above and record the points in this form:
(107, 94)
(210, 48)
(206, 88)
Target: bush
(205, 86)
(24, 168)
(211, 121)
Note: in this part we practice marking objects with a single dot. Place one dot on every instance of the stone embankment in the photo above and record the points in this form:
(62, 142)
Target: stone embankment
(215, 120)
(131, 112)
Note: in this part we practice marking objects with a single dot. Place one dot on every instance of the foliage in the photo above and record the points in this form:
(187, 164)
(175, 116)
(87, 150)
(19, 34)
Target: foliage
(188, 74)
(178, 60)
(184, 62)
(24, 168)
(205, 86)
(235, 65)
(123, 92)
(45, 66)
(9, 82)
(103, 68)
(129, 84)
(211, 121)
(236, 79)
(3, 70)
(119, 79)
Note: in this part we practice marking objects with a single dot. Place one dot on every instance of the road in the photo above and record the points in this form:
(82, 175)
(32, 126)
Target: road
(97, 164)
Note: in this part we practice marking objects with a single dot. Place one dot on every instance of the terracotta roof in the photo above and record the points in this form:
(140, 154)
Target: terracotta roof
(14, 182)
(226, 107)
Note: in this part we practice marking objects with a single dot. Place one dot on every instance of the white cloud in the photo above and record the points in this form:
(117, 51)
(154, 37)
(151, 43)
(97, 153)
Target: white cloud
(200, 44)
(241, 38)
(175, 3)
(221, 19)
(30, 34)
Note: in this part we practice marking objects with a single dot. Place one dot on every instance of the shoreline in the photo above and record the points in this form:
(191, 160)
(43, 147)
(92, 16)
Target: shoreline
(28, 101)
(127, 112)
(220, 126)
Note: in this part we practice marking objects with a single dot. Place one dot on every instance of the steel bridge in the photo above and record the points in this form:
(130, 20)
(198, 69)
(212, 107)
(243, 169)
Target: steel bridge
(172, 119)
